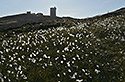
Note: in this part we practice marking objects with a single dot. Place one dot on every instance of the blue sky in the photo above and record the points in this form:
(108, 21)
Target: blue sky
(73, 8)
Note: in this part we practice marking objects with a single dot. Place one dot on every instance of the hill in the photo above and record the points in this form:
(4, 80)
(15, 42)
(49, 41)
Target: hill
(18, 20)
(29, 21)
(65, 50)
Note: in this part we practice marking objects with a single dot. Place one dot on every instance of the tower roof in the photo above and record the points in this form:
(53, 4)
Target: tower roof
(53, 7)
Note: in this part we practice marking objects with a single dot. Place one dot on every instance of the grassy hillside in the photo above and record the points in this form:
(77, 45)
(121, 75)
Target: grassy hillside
(89, 50)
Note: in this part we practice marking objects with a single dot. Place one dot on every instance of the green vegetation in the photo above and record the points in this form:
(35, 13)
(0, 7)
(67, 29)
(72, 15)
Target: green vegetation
(89, 50)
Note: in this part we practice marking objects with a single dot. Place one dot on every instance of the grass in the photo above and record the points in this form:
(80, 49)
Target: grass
(86, 51)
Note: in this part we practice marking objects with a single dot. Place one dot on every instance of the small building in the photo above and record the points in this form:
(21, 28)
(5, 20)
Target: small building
(28, 12)
(39, 14)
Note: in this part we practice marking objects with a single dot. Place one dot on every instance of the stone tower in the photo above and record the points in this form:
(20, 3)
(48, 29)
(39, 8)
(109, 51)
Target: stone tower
(53, 12)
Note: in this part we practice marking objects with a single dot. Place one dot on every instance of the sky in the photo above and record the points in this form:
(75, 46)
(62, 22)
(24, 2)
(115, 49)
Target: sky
(72, 8)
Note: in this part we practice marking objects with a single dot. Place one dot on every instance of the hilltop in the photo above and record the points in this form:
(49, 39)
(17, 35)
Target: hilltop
(41, 21)
(18, 20)
(65, 50)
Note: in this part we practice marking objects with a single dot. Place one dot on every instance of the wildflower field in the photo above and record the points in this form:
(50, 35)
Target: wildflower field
(90, 51)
